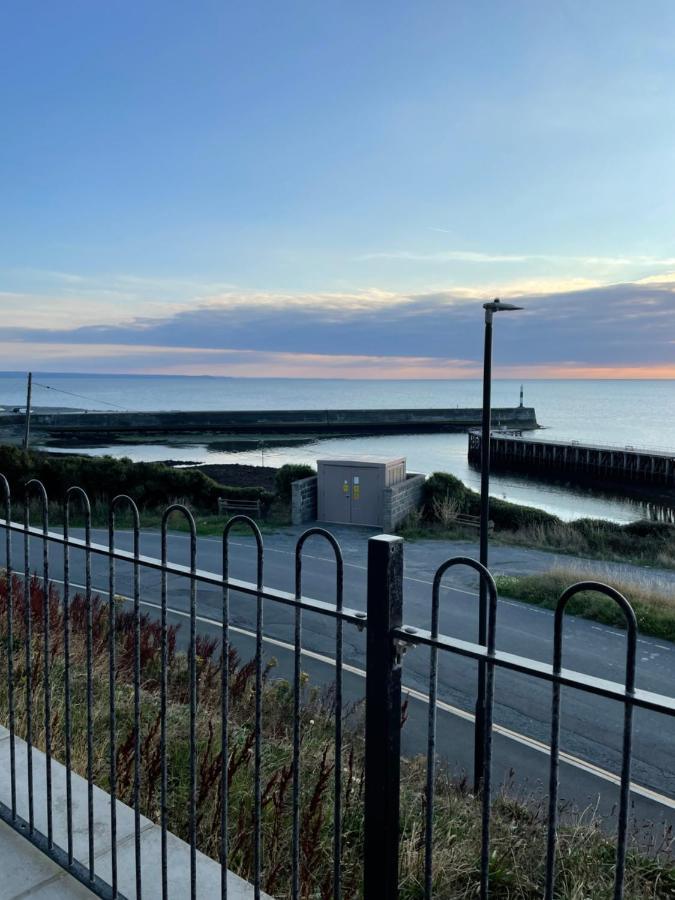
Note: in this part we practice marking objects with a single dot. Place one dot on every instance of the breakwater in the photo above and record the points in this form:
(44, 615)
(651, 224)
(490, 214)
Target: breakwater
(576, 461)
(267, 422)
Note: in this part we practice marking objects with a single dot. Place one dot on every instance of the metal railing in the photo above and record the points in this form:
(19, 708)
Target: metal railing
(86, 873)
(387, 639)
(403, 636)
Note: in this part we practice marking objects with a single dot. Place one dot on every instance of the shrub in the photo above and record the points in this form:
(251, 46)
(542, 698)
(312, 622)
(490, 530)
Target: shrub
(442, 488)
(444, 492)
(643, 528)
(444, 511)
(288, 474)
(512, 516)
(150, 484)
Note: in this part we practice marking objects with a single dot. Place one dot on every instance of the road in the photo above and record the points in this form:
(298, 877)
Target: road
(591, 726)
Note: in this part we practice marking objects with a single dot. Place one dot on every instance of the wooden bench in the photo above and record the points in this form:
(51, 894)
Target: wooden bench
(467, 521)
(248, 507)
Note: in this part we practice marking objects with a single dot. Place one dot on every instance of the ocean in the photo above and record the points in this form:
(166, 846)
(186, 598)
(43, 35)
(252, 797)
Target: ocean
(636, 413)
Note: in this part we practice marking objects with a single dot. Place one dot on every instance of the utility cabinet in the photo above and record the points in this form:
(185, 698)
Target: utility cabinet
(351, 491)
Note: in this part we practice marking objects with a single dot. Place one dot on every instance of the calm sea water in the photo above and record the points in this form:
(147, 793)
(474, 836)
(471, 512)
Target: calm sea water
(638, 413)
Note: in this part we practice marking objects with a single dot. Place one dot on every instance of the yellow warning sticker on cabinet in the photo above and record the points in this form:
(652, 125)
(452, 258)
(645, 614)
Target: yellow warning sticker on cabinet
(356, 492)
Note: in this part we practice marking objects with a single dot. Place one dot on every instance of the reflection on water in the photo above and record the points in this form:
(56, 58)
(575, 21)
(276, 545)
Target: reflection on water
(641, 413)
(425, 453)
(659, 513)
(653, 502)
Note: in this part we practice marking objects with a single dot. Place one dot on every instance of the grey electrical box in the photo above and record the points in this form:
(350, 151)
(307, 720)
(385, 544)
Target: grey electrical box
(351, 491)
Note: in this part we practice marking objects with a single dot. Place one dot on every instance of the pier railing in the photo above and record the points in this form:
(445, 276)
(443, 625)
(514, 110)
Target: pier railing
(38, 627)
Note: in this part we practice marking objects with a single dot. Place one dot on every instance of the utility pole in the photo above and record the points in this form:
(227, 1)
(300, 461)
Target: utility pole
(29, 391)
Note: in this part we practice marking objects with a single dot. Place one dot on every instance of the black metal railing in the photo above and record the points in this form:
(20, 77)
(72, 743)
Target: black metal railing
(387, 668)
(387, 639)
(85, 871)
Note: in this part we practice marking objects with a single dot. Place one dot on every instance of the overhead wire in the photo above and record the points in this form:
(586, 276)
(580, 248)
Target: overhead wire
(79, 396)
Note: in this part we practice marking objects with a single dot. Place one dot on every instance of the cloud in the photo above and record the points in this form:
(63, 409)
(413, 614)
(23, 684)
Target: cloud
(446, 256)
(68, 300)
(211, 361)
(471, 256)
(150, 360)
(622, 327)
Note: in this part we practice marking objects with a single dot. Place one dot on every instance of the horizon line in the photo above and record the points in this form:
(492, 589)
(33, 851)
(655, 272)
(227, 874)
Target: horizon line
(581, 374)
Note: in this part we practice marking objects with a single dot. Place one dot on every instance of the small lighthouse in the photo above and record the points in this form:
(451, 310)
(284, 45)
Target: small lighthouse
(521, 396)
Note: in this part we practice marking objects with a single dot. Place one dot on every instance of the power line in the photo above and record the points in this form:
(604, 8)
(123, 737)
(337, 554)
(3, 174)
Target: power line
(48, 387)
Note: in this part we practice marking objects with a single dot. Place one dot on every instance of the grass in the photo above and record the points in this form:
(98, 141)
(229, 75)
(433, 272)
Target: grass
(640, 543)
(652, 601)
(150, 484)
(586, 855)
(208, 523)
(153, 486)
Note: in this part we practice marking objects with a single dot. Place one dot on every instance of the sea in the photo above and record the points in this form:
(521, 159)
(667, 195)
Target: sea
(639, 414)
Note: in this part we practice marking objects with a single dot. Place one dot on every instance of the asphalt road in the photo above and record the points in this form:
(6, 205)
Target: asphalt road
(591, 726)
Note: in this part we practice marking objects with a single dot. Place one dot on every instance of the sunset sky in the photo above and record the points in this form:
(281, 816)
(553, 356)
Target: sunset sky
(332, 190)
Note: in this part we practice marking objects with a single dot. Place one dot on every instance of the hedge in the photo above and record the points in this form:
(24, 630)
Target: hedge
(288, 474)
(508, 516)
(150, 484)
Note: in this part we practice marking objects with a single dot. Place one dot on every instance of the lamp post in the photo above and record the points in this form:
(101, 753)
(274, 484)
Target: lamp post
(490, 309)
(29, 391)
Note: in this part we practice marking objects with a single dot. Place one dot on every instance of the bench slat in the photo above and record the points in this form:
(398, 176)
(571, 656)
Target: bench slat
(246, 506)
(472, 521)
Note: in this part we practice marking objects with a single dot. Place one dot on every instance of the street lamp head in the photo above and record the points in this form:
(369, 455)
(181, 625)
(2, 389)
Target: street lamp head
(496, 305)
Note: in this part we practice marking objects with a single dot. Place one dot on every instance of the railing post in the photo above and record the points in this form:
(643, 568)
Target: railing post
(383, 717)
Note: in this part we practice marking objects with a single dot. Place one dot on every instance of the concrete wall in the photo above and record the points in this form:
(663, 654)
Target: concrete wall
(334, 421)
(304, 500)
(401, 499)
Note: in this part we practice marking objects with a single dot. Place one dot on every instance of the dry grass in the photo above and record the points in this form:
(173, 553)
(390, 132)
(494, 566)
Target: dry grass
(518, 828)
(596, 540)
(445, 510)
(642, 542)
(652, 599)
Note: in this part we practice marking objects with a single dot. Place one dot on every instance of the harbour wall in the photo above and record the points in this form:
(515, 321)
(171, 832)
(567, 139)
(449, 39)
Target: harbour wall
(334, 421)
(585, 463)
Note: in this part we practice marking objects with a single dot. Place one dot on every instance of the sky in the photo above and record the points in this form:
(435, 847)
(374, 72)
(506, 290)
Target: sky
(333, 190)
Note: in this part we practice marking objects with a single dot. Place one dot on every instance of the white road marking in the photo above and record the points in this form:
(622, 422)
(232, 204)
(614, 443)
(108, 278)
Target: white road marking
(525, 740)
(519, 604)
(324, 559)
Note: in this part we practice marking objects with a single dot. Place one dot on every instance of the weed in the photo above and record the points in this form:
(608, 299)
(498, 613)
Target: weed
(586, 854)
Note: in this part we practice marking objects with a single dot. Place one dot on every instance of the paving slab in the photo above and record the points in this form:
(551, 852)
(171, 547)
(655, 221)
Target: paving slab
(178, 870)
(27, 872)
